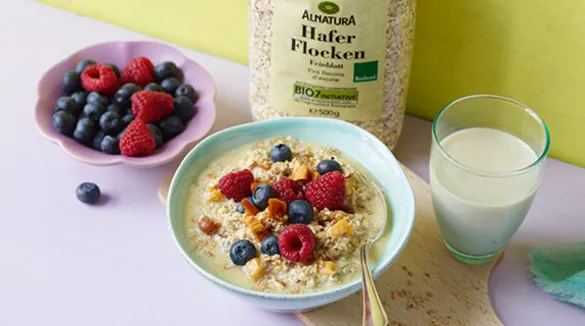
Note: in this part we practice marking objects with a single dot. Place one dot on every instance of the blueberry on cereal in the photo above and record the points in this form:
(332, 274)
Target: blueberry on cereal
(261, 195)
(270, 246)
(242, 251)
(300, 212)
(280, 153)
(327, 166)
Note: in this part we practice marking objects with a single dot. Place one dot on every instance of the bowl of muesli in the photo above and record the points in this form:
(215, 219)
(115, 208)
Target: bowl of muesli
(276, 211)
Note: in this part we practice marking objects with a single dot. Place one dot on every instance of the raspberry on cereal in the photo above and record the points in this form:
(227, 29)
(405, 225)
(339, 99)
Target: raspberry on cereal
(296, 242)
(236, 185)
(288, 190)
(327, 191)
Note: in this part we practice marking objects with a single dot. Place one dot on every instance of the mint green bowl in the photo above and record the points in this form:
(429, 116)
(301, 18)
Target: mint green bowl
(351, 140)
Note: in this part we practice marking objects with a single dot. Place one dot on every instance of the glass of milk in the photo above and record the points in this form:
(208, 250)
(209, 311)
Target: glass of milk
(487, 160)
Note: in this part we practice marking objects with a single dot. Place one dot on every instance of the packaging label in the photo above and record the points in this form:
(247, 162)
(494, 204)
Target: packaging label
(328, 58)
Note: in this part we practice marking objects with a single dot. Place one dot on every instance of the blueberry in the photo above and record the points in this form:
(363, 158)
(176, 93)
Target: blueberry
(187, 90)
(327, 166)
(154, 87)
(300, 212)
(165, 70)
(64, 122)
(116, 109)
(88, 192)
(84, 64)
(183, 108)
(170, 85)
(240, 208)
(261, 195)
(280, 153)
(242, 251)
(110, 123)
(95, 97)
(270, 246)
(170, 127)
(85, 131)
(93, 111)
(158, 137)
(127, 119)
(71, 82)
(110, 145)
(97, 140)
(80, 97)
(114, 68)
(122, 96)
(68, 104)
(119, 136)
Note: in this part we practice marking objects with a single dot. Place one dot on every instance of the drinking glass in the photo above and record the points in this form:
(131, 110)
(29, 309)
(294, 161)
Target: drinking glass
(486, 164)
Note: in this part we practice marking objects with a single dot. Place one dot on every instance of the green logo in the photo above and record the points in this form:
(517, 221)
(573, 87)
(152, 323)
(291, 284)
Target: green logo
(328, 7)
(365, 71)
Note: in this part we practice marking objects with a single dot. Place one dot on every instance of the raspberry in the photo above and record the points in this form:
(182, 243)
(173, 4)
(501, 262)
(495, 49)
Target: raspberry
(327, 191)
(137, 139)
(236, 185)
(139, 71)
(296, 242)
(101, 79)
(151, 106)
(288, 190)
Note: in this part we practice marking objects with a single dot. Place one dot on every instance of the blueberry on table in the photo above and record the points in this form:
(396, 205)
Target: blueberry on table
(127, 119)
(280, 153)
(84, 64)
(270, 246)
(68, 104)
(97, 140)
(327, 166)
(300, 212)
(80, 97)
(158, 136)
(240, 208)
(111, 123)
(165, 70)
(64, 122)
(122, 96)
(171, 126)
(154, 87)
(85, 131)
(88, 192)
(242, 251)
(188, 91)
(93, 111)
(71, 83)
(170, 85)
(114, 68)
(183, 108)
(95, 97)
(261, 195)
(116, 109)
(110, 145)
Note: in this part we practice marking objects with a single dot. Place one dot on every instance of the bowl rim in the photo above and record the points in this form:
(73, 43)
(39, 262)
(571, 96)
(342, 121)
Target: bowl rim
(70, 148)
(380, 268)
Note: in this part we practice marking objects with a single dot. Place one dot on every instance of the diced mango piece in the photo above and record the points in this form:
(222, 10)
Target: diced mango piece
(276, 207)
(302, 173)
(257, 228)
(254, 185)
(341, 228)
(213, 188)
(215, 196)
(315, 175)
(328, 268)
(253, 268)
(249, 207)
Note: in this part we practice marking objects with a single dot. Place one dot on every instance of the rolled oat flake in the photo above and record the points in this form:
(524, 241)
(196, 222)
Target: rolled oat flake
(344, 59)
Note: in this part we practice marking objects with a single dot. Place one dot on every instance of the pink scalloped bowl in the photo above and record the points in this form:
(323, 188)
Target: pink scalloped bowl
(120, 53)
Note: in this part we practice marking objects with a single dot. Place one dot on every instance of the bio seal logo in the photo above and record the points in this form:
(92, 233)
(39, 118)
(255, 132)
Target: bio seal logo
(328, 7)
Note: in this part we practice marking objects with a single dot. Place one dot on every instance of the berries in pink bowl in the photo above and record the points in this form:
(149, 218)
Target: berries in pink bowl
(87, 101)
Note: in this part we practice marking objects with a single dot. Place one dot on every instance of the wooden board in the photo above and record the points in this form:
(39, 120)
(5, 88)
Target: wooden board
(425, 286)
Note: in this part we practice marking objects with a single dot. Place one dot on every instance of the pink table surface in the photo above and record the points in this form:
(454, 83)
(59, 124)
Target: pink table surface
(65, 263)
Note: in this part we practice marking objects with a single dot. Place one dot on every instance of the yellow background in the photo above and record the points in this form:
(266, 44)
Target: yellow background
(530, 50)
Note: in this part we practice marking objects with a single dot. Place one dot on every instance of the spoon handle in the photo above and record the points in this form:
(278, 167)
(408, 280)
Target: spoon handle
(374, 314)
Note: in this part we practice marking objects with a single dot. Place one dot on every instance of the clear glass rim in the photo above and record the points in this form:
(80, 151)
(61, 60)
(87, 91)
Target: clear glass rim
(492, 173)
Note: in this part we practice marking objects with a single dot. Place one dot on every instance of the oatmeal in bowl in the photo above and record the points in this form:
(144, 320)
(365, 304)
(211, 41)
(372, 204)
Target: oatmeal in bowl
(283, 215)
(275, 211)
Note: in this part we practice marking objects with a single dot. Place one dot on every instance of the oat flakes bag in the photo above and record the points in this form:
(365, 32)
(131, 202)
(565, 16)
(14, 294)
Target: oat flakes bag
(344, 59)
